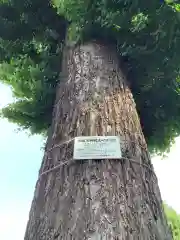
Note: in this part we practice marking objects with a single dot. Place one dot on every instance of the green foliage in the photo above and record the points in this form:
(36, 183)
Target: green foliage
(30, 55)
(147, 37)
(173, 221)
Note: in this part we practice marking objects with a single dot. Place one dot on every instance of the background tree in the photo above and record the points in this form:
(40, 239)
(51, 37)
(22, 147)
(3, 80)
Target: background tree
(173, 221)
(36, 37)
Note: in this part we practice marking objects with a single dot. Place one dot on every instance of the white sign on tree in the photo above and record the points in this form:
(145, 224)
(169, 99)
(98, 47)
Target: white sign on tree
(97, 147)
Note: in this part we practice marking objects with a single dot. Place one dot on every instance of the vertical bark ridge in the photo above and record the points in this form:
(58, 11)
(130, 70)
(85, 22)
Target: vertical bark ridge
(96, 200)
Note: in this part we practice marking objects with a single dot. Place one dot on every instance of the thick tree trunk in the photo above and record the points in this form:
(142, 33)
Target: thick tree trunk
(96, 200)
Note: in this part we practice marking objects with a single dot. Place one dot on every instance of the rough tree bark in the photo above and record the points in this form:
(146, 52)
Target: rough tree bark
(96, 200)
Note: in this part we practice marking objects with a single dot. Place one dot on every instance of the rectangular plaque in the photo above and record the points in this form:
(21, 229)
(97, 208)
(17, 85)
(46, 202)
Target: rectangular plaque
(97, 147)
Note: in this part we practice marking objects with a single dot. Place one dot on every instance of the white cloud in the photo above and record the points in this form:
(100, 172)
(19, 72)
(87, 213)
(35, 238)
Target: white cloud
(13, 220)
(5, 96)
(168, 174)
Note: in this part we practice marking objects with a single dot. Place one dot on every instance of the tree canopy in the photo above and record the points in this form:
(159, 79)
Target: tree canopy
(146, 35)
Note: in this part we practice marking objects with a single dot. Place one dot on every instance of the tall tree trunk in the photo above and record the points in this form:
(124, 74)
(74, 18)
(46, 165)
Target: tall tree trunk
(96, 200)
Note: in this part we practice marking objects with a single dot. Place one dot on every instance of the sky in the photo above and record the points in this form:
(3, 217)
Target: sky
(20, 159)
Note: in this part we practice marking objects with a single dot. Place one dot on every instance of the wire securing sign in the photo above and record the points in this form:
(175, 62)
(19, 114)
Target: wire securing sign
(97, 147)
(65, 163)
